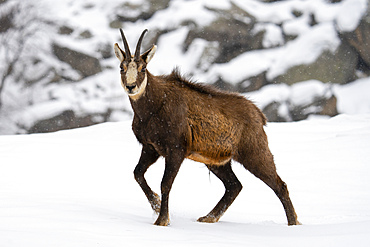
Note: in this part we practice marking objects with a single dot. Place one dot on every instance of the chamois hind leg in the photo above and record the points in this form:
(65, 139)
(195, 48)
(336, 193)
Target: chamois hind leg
(261, 164)
(232, 189)
(147, 158)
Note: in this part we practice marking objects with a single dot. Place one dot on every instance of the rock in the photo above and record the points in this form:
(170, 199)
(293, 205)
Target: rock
(233, 36)
(329, 107)
(105, 50)
(338, 67)
(67, 120)
(360, 38)
(286, 111)
(132, 12)
(6, 20)
(221, 84)
(300, 101)
(277, 112)
(65, 30)
(85, 35)
(253, 83)
(115, 24)
(85, 64)
(248, 85)
(320, 106)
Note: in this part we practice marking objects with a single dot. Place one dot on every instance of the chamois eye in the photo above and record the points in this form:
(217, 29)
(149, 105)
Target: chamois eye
(143, 69)
(122, 70)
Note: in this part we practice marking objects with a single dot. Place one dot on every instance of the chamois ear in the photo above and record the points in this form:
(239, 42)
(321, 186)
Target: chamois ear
(148, 55)
(119, 53)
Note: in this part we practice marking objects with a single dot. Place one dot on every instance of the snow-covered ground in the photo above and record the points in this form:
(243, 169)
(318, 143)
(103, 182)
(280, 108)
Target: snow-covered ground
(76, 188)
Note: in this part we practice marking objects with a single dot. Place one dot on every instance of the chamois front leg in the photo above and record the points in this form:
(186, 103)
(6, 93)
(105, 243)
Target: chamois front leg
(172, 165)
(147, 158)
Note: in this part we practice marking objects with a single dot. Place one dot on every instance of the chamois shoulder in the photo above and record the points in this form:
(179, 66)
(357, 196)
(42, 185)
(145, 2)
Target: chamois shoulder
(177, 78)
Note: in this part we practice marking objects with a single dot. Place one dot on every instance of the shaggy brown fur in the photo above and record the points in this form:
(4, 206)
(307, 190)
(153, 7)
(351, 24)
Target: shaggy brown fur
(177, 119)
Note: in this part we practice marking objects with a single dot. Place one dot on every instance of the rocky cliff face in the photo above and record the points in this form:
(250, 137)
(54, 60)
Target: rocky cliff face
(63, 73)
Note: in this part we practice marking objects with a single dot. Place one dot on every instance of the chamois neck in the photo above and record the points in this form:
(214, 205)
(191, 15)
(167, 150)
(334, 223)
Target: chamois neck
(151, 101)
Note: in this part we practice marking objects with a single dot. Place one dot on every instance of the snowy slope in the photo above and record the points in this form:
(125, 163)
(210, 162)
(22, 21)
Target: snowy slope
(76, 188)
(100, 94)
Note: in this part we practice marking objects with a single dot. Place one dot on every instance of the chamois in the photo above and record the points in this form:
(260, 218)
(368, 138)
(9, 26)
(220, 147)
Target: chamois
(177, 119)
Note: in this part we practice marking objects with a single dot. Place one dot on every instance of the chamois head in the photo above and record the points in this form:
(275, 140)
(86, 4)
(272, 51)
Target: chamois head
(133, 68)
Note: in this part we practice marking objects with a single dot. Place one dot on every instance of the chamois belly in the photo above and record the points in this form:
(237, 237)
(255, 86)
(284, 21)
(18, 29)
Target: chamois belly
(213, 139)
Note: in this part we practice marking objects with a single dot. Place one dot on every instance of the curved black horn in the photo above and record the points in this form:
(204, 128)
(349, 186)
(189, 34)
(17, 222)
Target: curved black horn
(137, 51)
(127, 48)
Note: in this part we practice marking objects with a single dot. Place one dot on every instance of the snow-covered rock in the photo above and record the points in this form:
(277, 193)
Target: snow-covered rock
(66, 62)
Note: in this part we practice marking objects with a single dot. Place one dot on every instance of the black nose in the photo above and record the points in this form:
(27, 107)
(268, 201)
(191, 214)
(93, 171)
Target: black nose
(129, 88)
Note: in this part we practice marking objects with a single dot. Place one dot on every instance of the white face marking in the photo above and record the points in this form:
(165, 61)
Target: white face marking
(131, 73)
(140, 91)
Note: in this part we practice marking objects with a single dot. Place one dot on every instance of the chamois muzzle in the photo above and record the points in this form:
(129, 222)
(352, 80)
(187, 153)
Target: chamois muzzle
(130, 88)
